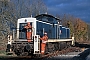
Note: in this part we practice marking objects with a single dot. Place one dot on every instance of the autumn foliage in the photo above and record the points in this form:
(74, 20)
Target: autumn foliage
(78, 28)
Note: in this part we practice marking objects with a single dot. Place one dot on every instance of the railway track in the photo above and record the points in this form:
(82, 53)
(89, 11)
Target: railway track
(64, 51)
(77, 48)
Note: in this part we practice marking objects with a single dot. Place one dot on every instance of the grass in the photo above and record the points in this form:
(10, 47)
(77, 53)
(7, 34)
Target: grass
(2, 52)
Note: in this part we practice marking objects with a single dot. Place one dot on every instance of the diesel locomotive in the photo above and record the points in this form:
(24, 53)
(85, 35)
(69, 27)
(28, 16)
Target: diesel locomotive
(58, 35)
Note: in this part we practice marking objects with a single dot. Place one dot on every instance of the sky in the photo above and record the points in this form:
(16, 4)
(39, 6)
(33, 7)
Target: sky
(77, 8)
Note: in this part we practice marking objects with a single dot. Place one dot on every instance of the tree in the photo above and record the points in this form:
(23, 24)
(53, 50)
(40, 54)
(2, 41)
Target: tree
(6, 17)
(36, 7)
(77, 27)
(70, 25)
(64, 20)
(80, 29)
(12, 10)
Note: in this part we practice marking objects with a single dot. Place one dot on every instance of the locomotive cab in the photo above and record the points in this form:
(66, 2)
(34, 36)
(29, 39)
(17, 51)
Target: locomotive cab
(26, 40)
(21, 30)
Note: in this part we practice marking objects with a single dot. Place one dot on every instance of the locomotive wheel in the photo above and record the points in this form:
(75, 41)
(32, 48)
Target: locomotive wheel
(7, 50)
(49, 48)
(59, 45)
(68, 44)
(56, 46)
(24, 54)
(37, 55)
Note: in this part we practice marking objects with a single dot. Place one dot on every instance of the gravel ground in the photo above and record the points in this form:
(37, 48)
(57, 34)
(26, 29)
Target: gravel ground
(59, 55)
(84, 55)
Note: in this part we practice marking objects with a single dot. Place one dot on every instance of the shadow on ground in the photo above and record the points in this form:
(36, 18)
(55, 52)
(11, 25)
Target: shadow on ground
(82, 45)
(84, 54)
